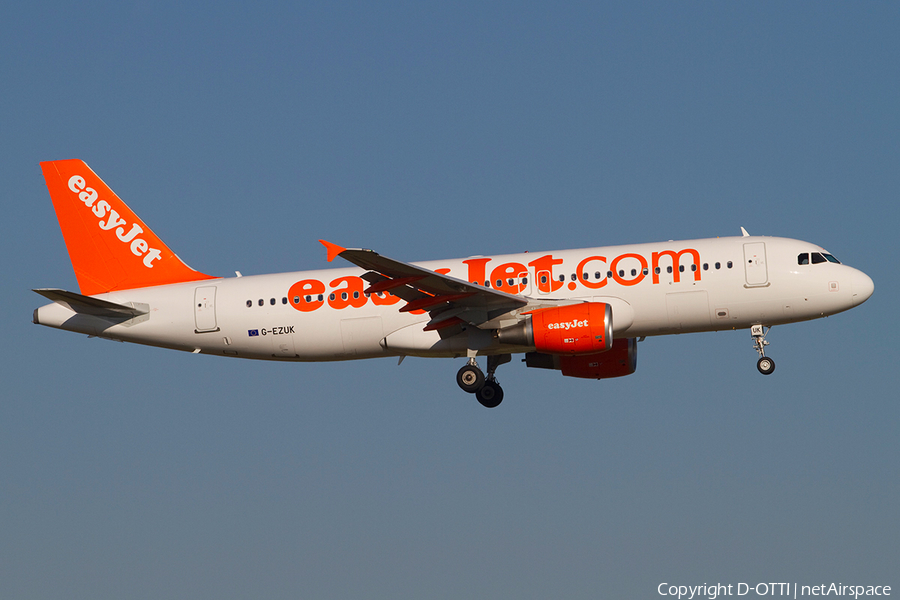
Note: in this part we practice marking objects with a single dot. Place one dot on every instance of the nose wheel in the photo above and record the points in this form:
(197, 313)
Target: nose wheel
(487, 391)
(765, 365)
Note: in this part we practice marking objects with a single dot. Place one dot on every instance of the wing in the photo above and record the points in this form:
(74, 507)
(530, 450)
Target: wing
(449, 301)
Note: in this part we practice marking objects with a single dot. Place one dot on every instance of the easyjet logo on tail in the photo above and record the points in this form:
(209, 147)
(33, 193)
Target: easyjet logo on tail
(108, 219)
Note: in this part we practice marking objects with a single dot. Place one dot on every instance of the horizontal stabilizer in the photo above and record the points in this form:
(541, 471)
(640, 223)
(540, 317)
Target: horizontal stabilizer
(87, 305)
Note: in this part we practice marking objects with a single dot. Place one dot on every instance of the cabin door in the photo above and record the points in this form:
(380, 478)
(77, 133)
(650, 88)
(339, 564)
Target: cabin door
(755, 264)
(205, 309)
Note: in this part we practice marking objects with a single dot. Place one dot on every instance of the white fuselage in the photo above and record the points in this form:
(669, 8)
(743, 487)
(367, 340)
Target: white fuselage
(654, 289)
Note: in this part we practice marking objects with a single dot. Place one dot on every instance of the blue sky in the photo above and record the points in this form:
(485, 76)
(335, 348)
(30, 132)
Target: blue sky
(242, 134)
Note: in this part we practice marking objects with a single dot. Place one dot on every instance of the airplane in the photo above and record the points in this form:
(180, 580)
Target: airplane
(581, 312)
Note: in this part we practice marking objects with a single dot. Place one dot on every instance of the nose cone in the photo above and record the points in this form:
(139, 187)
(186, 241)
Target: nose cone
(862, 287)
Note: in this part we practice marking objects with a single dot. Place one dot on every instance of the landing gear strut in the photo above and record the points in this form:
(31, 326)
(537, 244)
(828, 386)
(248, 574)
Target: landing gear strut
(765, 364)
(486, 389)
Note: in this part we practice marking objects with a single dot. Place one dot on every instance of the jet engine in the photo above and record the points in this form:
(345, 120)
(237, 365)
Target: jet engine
(570, 330)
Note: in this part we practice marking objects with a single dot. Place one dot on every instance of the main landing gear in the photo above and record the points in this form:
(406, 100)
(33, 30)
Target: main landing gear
(486, 389)
(765, 364)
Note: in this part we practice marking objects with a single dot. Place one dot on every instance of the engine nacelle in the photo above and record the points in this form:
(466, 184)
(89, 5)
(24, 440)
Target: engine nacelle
(573, 329)
(619, 361)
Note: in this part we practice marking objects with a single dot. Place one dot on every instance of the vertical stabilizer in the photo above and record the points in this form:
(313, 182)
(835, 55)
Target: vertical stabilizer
(110, 247)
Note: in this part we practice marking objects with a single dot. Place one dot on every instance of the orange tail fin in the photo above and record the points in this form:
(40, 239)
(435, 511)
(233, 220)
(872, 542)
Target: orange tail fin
(110, 247)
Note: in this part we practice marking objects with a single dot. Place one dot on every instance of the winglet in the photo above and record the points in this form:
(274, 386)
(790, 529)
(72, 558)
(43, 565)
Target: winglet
(333, 249)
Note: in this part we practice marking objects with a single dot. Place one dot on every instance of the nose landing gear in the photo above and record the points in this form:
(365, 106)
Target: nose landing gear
(765, 364)
(486, 389)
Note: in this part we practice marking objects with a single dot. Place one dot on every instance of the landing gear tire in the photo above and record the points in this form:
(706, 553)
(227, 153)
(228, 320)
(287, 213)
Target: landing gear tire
(765, 364)
(490, 395)
(470, 378)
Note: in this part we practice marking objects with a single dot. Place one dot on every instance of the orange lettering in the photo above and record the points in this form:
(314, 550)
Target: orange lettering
(352, 295)
(622, 281)
(581, 273)
(676, 262)
(308, 288)
(543, 273)
(506, 272)
(476, 270)
(384, 299)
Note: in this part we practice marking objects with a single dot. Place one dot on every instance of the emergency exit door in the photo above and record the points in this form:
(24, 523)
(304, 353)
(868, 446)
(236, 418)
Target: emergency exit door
(205, 309)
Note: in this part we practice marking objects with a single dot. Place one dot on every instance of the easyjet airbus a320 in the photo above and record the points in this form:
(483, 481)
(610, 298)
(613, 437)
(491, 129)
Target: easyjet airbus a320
(580, 312)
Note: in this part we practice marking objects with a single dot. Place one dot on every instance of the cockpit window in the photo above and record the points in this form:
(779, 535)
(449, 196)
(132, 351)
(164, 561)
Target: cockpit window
(817, 258)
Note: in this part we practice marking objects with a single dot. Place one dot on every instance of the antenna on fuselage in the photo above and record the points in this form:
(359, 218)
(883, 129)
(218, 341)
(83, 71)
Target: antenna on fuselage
(744, 231)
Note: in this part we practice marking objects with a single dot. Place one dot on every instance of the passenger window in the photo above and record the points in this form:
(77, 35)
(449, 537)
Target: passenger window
(562, 277)
(693, 267)
(249, 303)
(656, 270)
(668, 269)
(543, 279)
(718, 266)
(633, 272)
(706, 266)
(574, 277)
(272, 301)
(261, 302)
(597, 275)
(321, 297)
(730, 264)
(803, 259)
(681, 268)
(331, 297)
(284, 300)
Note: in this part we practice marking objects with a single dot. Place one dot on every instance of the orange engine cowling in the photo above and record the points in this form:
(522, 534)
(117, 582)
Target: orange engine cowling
(619, 361)
(573, 329)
